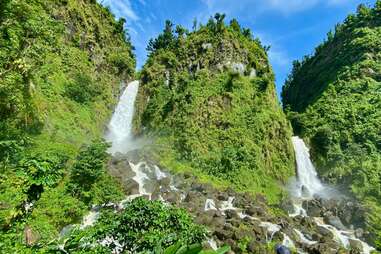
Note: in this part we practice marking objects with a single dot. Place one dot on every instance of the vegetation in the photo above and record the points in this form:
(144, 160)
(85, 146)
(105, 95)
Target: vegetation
(333, 100)
(213, 109)
(143, 227)
(61, 64)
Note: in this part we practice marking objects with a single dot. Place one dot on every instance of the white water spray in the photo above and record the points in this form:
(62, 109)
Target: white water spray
(309, 183)
(120, 126)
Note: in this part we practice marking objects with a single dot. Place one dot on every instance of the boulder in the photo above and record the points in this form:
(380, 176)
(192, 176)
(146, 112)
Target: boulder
(335, 221)
(238, 68)
(356, 245)
(131, 186)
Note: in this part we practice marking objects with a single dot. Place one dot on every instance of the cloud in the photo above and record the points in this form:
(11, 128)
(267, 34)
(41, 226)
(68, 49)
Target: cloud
(121, 8)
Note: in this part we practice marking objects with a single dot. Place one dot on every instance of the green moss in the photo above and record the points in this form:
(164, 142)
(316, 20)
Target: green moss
(334, 102)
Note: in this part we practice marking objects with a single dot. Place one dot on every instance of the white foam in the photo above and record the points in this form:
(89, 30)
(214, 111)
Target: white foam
(271, 228)
(303, 239)
(212, 244)
(209, 205)
(89, 219)
(227, 205)
(120, 127)
(288, 242)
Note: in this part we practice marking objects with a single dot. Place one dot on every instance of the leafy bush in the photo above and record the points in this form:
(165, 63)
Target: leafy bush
(82, 89)
(88, 167)
(143, 226)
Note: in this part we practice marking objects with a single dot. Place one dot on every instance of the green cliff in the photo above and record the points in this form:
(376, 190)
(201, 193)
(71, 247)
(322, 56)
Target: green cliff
(208, 98)
(333, 99)
(61, 66)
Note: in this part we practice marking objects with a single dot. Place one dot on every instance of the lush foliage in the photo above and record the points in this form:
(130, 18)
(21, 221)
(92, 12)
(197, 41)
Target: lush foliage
(192, 249)
(334, 100)
(61, 64)
(208, 116)
(143, 226)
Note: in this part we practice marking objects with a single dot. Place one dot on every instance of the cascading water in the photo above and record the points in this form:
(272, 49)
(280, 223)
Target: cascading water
(307, 186)
(120, 127)
(309, 183)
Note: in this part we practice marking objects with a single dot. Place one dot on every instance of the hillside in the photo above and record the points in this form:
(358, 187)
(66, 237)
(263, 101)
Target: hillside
(61, 66)
(208, 98)
(333, 99)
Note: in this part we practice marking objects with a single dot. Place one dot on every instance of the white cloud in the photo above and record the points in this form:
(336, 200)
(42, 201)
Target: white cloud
(121, 8)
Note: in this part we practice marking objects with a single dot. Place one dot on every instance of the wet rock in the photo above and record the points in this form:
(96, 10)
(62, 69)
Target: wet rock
(171, 197)
(221, 196)
(335, 221)
(231, 214)
(31, 237)
(205, 218)
(255, 211)
(321, 249)
(359, 232)
(313, 208)
(323, 232)
(223, 234)
(287, 205)
(356, 245)
(131, 187)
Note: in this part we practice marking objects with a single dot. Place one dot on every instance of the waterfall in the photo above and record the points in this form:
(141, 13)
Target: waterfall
(309, 183)
(307, 186)
(120, 127)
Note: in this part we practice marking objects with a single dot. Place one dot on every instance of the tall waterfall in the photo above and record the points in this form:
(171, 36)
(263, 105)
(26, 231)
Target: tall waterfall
(309, 183)
(120, 127)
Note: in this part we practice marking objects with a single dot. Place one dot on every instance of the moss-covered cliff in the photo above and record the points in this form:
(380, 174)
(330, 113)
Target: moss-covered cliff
(334, 100)
(208, 97)
(61, 65)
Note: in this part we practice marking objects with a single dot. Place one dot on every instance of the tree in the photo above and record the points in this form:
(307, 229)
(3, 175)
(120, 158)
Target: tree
(235, 25)
(247, 33)
(165, 40)
(220, 20)
(194, 26)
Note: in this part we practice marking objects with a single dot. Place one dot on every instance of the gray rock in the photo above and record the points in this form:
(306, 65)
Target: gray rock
(207, 45)
(131, 186)
(359, 232)
(238, 68)
(335, 221)
(253, 73)
(356, 245)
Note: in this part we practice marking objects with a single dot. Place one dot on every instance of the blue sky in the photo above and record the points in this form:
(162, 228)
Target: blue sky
(293, 28)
